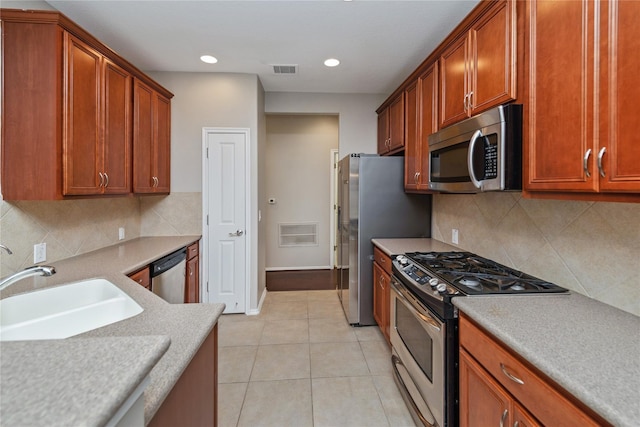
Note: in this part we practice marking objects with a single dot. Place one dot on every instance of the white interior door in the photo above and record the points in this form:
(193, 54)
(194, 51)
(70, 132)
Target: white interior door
(226, 177)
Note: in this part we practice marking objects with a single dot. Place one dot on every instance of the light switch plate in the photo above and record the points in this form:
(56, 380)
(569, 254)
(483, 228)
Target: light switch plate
(454, 236)
(39, 253)
(121, 233)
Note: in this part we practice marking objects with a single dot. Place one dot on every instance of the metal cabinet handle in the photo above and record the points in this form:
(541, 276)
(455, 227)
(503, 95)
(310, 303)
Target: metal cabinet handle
(416, 177)
(101, 179)
(516, 424)
(106, 184)
(464, 102)
(585, 164)
(504, 417)
(600, 155)
(510, 375)
(469, 101)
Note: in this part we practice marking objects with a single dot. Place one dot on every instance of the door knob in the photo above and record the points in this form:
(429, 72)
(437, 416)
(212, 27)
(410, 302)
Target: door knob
(238, 233)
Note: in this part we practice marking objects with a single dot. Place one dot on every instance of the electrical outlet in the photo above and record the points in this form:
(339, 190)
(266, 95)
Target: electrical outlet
(39, 253)
(454, 236)
(121, 233)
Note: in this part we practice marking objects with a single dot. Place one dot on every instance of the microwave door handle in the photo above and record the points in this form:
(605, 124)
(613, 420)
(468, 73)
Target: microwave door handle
(477, 134)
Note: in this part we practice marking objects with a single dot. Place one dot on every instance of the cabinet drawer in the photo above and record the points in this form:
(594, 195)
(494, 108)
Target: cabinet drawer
(539, 395)
(382, 259)
(142, 277)
(192, 250)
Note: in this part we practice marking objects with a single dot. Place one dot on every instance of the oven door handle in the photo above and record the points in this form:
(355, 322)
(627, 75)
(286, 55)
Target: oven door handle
(472, 144)
(424, 316)
(395, 361)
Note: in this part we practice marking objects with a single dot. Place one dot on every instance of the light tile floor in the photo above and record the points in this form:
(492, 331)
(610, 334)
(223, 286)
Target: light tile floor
(299, 363)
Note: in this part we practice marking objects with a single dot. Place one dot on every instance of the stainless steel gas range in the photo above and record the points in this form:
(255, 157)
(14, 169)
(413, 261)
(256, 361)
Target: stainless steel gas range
(424, 324)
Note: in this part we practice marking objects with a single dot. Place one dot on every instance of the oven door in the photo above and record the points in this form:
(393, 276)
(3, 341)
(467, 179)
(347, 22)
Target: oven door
(417, 340)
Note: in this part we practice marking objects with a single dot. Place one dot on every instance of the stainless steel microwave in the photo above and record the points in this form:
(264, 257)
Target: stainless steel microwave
(481, 153)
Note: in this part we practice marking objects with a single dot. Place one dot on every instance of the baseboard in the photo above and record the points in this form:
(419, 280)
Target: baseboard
(308, 267)
(256, 311)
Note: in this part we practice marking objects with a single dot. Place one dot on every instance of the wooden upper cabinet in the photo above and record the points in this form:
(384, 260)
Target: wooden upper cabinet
(117, 128)
(97, 133)
(411, 137)
(391, 126)
(421, 112)
(580, 133)
(619, 145)
(82, 157)
(478, 69)
(67, 111)
(151, 140)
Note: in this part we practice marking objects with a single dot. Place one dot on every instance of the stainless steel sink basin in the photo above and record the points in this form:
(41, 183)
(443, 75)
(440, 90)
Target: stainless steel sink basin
(64, 311)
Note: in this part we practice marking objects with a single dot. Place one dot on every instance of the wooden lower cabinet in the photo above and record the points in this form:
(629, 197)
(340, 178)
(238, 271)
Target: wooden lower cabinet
(193, 401)
(192, 275)
(382, 291)
(497, 387)
(483, 402)
(142, 277)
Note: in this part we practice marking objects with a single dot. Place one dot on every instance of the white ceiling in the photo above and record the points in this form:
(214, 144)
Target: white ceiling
(379, 43)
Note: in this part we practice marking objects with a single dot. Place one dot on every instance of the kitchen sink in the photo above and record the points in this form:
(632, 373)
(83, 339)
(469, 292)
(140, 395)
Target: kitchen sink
(64, 311)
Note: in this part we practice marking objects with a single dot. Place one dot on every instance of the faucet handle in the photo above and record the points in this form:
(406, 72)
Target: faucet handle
(6, 249)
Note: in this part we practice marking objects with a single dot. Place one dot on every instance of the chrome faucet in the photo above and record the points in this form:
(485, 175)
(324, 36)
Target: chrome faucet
(41, 270)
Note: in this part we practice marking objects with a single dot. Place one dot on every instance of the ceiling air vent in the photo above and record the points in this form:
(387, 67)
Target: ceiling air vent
(285, 69)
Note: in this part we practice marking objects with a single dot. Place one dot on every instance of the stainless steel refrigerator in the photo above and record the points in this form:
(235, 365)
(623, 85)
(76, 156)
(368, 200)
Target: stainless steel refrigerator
(372, 204)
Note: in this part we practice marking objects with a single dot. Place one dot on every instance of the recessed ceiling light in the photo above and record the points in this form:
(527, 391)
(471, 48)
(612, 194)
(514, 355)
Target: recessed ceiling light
(208, 59)
(331, 62)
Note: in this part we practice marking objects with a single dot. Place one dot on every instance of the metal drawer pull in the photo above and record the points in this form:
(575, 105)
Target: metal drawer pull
(600, 155)
(101, 179)
(516, 424)
(585, 166)
(510, 376)
(504, 417)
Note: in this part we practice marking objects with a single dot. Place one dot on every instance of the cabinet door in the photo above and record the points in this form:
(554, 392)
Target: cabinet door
(142, 277)
(82, 149)
(143, 134)
(411, 141)
(454, 84)
(492, 58)
(428, 121)
(559, 139)
(522, 418)
(396, 123)
(192, 286)
(383, 131)
(619, 95)
(482, 401)
(117, 129)
(378, 295)
(162, 146)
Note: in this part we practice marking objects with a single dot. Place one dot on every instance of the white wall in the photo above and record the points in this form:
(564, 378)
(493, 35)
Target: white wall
(215, 100)
(357, 114)
(299, 166)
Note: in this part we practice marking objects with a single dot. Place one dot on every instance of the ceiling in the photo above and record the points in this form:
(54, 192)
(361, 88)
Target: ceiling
(379, 43)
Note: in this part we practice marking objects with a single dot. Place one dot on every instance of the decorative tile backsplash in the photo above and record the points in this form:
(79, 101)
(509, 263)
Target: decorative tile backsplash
(588, 247)
(73, 227)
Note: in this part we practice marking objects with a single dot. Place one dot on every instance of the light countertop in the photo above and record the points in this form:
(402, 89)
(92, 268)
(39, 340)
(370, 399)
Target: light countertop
(589, 348)
(184, 326)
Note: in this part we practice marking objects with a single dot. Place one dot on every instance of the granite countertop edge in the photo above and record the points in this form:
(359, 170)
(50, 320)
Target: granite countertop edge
(185, 325)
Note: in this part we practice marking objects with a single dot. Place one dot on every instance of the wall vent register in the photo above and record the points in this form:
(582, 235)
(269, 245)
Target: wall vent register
(300, 234)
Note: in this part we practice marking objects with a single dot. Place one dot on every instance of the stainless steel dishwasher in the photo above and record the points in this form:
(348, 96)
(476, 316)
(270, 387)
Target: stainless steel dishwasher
(168, 276)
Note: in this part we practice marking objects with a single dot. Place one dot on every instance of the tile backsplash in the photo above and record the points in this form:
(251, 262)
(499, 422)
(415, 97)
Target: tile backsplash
(592, 248)
(73, 227)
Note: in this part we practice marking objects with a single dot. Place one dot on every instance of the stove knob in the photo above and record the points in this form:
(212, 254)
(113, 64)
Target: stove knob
(404, 260)
(442, 288)
(433, 282)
